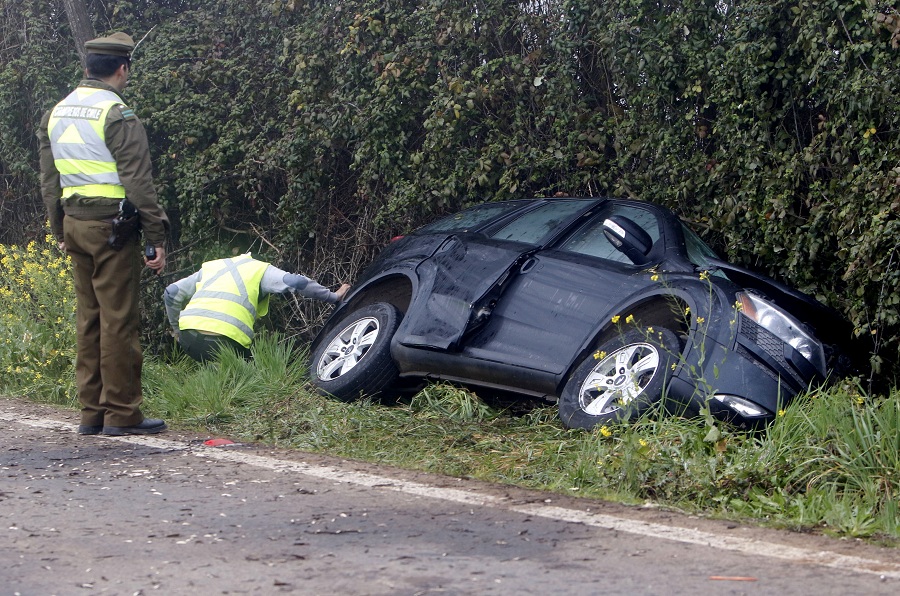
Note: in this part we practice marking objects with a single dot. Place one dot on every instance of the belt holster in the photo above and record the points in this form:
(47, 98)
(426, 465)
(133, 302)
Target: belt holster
(124, 225)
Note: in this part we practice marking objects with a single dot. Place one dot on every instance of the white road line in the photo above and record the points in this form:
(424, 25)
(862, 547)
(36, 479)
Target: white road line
(472, 497)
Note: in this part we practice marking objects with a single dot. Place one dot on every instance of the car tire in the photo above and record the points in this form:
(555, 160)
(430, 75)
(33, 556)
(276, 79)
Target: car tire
(354, 358)
(621, 380)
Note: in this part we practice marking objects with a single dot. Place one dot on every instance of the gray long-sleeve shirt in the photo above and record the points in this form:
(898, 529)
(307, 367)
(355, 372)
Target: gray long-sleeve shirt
(274, 281)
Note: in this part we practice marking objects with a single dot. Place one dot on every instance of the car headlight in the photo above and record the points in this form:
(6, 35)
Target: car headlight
(784, 327)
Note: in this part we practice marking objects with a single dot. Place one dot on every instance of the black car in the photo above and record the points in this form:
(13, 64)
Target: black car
(606, 305)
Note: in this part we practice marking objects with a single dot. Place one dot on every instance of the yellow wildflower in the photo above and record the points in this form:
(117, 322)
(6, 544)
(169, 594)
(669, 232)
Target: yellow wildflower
(615, 319)
(654, 277)
(604, 430)
(629, 319)
(599, 354)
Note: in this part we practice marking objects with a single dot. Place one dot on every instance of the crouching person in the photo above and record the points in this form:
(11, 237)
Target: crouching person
(218, 305)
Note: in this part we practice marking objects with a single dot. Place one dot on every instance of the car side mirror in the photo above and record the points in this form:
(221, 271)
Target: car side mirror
(629, 238)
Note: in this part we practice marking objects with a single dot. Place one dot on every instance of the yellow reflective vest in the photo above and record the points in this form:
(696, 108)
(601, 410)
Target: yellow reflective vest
(227, 299)
(78, 141)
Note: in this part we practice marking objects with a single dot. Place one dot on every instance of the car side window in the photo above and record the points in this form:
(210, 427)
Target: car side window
(589, 239)
(534, 225)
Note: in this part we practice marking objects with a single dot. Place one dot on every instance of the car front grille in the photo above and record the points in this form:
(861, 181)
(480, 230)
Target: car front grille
(771, 345)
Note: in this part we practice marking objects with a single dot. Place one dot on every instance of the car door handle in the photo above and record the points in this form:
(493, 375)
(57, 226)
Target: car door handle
(528, 265)
(447, 244)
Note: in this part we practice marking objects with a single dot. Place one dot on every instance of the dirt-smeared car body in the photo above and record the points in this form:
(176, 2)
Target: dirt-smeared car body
(605, 305)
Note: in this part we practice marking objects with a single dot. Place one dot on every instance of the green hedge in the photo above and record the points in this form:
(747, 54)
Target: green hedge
(314, 131)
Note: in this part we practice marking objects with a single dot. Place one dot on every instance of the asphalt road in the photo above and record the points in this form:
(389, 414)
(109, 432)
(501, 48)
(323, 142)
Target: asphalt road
(171, 515)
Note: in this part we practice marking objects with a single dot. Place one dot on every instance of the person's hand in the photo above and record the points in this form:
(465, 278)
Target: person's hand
(159, 262)
(62, 246)
(342, 291)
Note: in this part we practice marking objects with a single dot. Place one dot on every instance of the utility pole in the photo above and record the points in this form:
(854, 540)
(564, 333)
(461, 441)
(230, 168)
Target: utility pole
(80, 23)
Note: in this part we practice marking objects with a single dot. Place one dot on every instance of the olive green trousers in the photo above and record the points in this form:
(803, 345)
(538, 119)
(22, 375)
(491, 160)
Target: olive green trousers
(109, 361)
(204, 347)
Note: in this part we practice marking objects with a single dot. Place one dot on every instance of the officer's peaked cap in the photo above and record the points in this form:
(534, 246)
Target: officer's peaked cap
(116, 44)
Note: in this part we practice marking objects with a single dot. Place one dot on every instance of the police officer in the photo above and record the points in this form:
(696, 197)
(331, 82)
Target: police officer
(94, 153)
(219, 304)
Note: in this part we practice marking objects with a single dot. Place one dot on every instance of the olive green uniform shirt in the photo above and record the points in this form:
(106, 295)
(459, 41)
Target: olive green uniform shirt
(127, 141)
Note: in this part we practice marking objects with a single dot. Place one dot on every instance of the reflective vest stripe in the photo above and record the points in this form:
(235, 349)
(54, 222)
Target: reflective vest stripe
(230, 267)
(227, 299)
(219, 316)
(95, 190)
(94, 168)
(78, 142)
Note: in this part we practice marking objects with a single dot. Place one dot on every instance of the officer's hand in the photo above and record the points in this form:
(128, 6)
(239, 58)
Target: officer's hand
(62, 246)
(159, 262)
(342, 291)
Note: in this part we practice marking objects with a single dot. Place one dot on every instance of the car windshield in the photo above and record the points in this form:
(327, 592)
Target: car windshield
(698, 252)
(473, 217)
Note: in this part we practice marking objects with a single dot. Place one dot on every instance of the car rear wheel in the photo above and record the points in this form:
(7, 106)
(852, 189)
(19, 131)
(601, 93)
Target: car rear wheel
(354, 358)
(621, 380)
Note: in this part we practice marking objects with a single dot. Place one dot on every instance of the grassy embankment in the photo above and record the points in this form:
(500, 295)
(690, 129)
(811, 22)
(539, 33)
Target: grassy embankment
(830, 462)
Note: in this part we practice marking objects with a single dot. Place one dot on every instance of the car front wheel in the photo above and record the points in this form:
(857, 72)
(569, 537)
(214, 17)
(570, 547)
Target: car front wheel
(621, 380)
(354, 358)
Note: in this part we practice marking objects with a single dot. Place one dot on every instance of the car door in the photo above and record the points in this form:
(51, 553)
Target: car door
(465, 277)
(559, 298)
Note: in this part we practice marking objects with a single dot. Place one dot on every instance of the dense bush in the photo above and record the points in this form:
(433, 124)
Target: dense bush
(36, 67)
(312, 131)
(37, 321)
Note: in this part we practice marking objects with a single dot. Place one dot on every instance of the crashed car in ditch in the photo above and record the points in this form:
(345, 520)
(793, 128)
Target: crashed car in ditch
(605, 306)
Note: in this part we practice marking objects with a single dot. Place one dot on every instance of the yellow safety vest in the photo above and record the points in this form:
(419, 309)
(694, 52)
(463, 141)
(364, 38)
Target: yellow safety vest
(78, 141)
(227, 299)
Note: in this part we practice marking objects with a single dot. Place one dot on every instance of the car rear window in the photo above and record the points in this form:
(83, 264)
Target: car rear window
(472, 218)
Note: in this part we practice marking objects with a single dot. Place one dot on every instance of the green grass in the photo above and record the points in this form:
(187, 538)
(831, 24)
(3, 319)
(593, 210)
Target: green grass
(830, 462)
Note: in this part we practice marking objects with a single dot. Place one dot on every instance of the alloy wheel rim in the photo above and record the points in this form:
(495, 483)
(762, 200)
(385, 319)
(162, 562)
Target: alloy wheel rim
(348, 347)
(618, 379)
